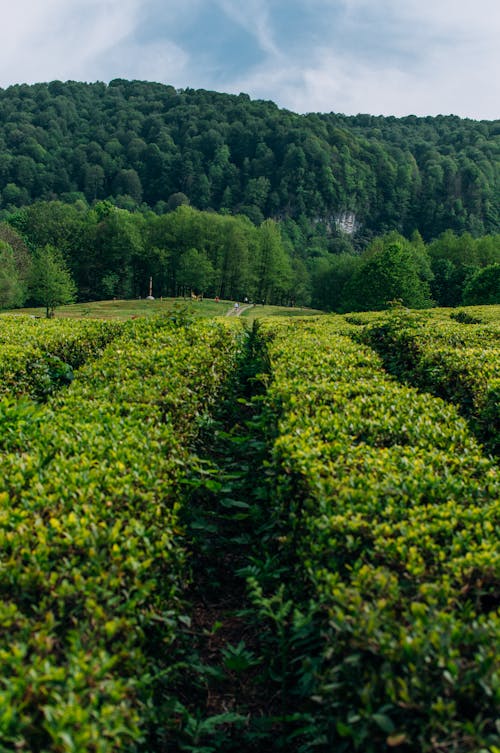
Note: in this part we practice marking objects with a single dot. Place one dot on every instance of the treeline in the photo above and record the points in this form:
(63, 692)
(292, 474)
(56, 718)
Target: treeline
(112, 253)
(452, 270)
(144, 144)
(79, 252)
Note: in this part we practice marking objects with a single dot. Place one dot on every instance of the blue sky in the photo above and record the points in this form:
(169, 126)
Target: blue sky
(390, 57)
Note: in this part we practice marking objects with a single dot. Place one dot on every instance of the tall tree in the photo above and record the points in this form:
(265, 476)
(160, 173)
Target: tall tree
(195, 271)
(11, 286)
(483, 287)
(51, 282)
(272, 268)
(22, 256)
(329, 279)
(391, 273)
(455, 259)
(234, 279)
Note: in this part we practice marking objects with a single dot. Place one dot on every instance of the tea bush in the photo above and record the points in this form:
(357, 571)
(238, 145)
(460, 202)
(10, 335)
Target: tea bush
(456, 361)
(92, 561)
(39, 356)
(386, 516)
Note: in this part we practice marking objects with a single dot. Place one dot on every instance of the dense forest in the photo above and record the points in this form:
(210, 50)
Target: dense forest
(234, 197)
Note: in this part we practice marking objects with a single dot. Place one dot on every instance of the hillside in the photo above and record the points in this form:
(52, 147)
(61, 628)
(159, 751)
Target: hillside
(134, 183)
(138, 142)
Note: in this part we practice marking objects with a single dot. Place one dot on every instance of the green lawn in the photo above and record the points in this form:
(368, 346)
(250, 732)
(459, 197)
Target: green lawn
(142, 307)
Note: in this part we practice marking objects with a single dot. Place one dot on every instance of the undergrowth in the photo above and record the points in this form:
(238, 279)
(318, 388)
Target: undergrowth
(231, 698)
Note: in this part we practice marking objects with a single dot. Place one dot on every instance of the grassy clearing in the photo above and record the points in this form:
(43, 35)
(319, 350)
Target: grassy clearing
(141, 307)
(258, 312)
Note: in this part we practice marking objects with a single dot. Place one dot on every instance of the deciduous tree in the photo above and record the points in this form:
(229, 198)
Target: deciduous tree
(483, 287)
(51, 282)
(11, 287)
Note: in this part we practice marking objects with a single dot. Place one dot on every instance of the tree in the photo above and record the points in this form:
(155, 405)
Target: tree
(14, 195)
(272, 268)
(55, 223)
(195, 271)
(483, 287)
(11, 287)
(51, 282)
(329, 279)
(117, 246)
(454, 260)
(128, 183)
(233, 271)
(177, 200)
(93, 183)
(20, 251)
(229, 153)
(391, 273)
(300, 288)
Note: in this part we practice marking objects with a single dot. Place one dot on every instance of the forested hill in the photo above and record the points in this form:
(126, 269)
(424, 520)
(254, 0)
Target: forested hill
(144, 143)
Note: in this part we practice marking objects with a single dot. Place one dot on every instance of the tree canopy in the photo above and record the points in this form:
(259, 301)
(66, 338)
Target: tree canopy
(135, 143)
(51, 284)
(237, 198)
(483, 287)
(11, 288)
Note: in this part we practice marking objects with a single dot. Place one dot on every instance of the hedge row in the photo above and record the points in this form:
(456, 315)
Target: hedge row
(92, 557)
(456, 361)
(473, 314)
(387, 519)
(37, 356)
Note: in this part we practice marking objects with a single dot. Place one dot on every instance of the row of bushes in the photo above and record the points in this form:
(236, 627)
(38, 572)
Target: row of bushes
(39, 356)
(93, 564)
(454, 360)
(386, 517)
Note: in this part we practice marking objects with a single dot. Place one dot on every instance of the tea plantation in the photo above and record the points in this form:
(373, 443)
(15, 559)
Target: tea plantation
(276, 537)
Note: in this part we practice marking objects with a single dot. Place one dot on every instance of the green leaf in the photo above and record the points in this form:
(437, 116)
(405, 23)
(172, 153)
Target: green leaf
(343, 729)
(227, 502)
(384, 722)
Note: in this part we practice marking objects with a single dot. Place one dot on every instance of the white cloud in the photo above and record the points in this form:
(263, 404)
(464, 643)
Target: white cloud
(420, 56)
(59, 38)
(451, 16)
(380, 56)
(425, 24)
(254, 17)
(343, 84)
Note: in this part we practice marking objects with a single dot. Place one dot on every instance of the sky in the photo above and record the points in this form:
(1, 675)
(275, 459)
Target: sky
(383, 57)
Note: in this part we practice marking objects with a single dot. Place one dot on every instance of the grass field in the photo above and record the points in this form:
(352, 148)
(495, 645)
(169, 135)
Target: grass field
(142, 307)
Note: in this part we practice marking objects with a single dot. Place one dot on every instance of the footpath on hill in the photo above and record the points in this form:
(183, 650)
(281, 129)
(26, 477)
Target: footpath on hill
(237, 310)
